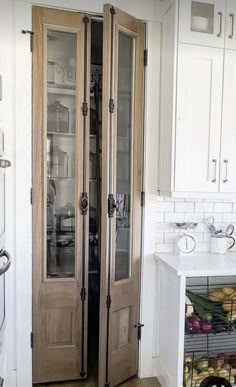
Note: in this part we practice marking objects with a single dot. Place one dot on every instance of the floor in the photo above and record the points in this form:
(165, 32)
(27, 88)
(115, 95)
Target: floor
(134, 382)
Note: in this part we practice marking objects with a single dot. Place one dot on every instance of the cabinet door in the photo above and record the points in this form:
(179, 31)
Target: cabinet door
(198, 121)
(202, 22)
(228, 153)
(230, 34)
(61, 93)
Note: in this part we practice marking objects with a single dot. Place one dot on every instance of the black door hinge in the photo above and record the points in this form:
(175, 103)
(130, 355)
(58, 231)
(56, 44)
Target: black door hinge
(31, 33)
(111, 105)
(84, 203)
(145, 57)
(1, 381)
(111, 205)
(32, 340)
(139, 331)
(83, 294)
(142, 199)
(31, 195)
(108, 301)
(85, 109)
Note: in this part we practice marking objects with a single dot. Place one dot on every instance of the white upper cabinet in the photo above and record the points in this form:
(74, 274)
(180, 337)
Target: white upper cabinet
(202, 22)
(230, 35)
(198, 120)
(228, 142)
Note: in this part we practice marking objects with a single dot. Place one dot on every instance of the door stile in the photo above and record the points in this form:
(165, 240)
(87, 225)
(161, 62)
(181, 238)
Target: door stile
(85, 196)
(107, 195)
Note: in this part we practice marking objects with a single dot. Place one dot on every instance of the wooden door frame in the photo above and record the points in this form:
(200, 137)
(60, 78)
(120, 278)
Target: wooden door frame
(23, 58)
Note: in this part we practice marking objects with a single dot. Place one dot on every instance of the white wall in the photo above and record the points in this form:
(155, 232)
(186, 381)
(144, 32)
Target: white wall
(7, 123)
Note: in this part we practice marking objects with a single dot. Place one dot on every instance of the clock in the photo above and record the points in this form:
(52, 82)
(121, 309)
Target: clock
(185, 244)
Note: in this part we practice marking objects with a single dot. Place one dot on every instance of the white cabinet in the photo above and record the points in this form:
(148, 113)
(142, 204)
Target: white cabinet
(198, 121)
(202, 22)
(197, 134)
(230, 34)
(228, 142)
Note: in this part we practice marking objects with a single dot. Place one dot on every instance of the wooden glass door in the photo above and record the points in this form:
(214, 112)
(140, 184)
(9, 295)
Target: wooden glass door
(61, 58)
(123, 79)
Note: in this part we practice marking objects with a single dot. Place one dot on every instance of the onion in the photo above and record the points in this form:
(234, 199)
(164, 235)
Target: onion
(193, 324)
(205, 326)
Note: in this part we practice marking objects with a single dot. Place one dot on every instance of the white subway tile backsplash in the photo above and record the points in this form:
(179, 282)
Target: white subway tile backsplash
(223, 207)
(159, 217)
(184, 207)
(160, 237)
(174, 217)
(165, 227)
(203, 207)
(229, 218)
(165, 206)
(168, 211)
(170, 237)
(194, 217)
(164, 247)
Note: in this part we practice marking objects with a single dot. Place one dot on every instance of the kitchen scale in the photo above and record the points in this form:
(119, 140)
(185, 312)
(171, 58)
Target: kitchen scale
(185, 243)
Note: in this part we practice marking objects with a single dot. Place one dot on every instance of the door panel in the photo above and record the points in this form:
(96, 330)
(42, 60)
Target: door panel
(198, 121)
(228, 141)
(121, 188)
(61, 60)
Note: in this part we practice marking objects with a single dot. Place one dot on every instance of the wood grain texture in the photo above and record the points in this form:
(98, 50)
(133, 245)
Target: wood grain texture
(134, 382)
(57, 351)
(125, 293)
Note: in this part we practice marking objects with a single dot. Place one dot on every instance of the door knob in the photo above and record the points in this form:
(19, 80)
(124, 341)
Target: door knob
(5, 266)
(5, 164)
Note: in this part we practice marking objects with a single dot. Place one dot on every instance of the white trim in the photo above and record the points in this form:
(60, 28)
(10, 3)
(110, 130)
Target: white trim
(23, 206)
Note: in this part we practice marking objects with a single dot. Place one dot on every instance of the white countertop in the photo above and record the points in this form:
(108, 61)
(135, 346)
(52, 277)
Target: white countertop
(200, 264)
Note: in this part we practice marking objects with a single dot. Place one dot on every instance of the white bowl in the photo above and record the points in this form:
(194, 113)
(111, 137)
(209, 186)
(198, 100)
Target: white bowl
(200, 23)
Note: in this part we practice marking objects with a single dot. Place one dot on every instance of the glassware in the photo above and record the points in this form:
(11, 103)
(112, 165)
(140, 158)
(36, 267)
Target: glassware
(58, 117)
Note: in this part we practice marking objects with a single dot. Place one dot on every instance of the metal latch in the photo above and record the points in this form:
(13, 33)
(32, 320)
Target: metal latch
(139, 331)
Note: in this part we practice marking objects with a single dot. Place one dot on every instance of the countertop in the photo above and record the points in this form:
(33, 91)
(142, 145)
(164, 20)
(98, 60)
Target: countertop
(200, 264)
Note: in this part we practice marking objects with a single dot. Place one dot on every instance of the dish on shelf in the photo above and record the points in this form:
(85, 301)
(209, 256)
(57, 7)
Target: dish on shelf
(200, 24)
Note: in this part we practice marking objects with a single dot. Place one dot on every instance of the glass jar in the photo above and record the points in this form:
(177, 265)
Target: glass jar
(58, 118)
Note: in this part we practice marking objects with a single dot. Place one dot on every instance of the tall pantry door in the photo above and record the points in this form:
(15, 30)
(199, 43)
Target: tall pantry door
(61, 59)
(123, 89)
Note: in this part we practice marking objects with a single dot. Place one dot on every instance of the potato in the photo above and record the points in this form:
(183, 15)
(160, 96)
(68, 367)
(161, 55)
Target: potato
(210, 370)
(228, 291)
(223, 373)
(229, 304)
(216, 296)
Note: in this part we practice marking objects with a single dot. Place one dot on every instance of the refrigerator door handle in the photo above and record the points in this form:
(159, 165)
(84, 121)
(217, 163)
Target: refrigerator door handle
(7, 264)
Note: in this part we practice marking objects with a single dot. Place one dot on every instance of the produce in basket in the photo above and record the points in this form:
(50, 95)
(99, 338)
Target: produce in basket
(216, 296)
(228, 291)
(188, 307)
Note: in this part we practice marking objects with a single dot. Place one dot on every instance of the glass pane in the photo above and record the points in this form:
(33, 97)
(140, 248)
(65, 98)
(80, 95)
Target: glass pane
(124, 157)
(202, 19)
(61, 124)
